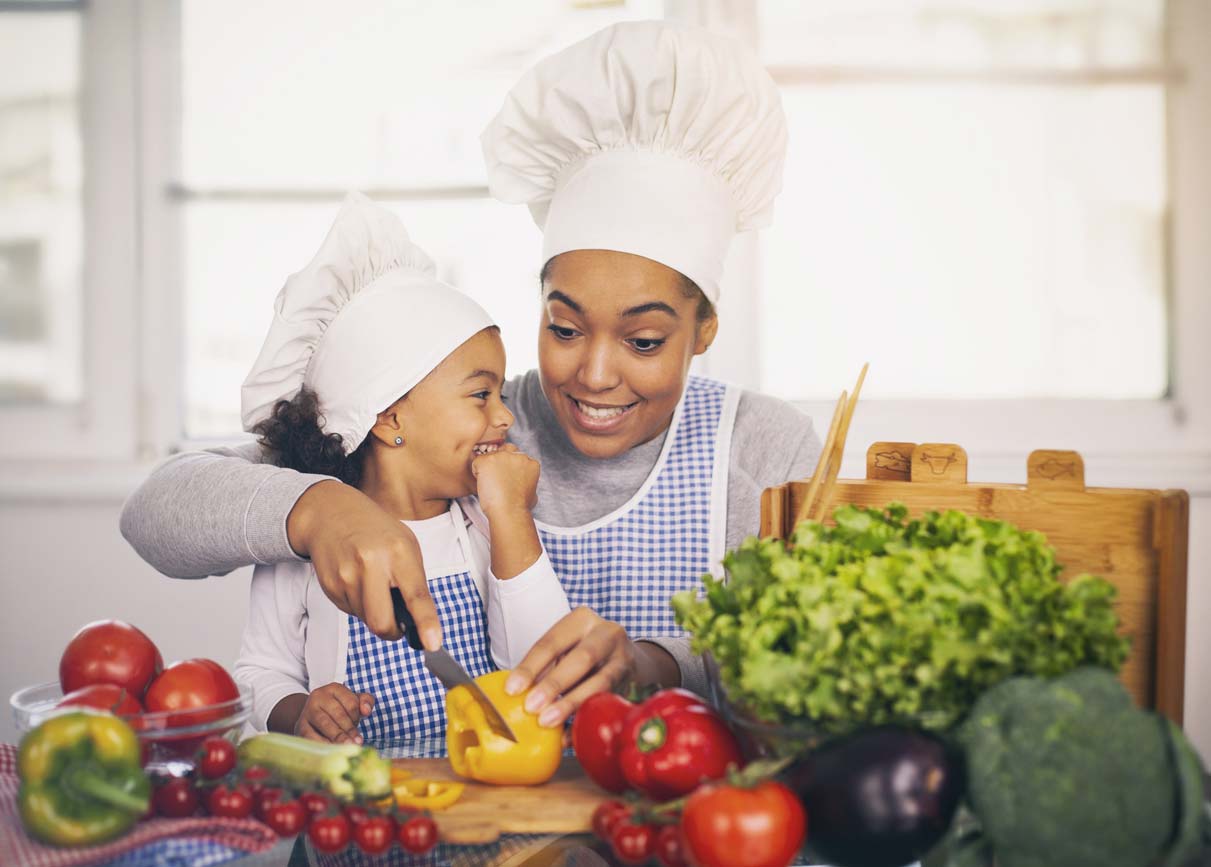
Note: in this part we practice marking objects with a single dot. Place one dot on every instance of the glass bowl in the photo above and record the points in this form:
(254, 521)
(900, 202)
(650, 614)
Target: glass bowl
(758, 738)
(170, 739)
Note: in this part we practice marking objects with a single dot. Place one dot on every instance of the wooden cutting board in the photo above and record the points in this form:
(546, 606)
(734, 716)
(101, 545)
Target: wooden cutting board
(562, 805)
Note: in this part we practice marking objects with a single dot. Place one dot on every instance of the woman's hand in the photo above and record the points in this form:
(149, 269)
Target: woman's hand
(332, 713)
(359, 553)
(581, 655)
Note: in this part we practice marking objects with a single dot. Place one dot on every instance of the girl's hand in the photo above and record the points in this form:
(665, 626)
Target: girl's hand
(506, 481)
(581, 655)
(359, 553)
(332, 713)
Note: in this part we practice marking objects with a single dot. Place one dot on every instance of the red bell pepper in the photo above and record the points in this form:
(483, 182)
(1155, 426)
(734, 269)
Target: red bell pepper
(672, 742)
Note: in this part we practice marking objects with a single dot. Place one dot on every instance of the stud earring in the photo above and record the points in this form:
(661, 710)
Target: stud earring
(399, 441)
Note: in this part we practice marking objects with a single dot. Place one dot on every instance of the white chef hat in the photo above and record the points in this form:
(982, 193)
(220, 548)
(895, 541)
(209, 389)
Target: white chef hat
(644, 138)
(362, 324)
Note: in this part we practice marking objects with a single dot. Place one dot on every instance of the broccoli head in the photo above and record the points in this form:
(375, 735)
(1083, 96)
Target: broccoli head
(1069, 772)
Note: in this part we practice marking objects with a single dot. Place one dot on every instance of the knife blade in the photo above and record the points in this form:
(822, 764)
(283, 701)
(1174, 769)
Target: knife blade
(448, 670)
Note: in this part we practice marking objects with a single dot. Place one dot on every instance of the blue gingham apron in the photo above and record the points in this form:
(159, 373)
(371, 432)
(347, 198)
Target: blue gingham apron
(626, 565)
(409, 702)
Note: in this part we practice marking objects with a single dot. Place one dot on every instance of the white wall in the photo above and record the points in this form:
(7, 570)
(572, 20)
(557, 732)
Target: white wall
(62, 565)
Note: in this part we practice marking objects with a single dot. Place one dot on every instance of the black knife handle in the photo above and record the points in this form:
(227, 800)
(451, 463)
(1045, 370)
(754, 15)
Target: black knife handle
(404, 618)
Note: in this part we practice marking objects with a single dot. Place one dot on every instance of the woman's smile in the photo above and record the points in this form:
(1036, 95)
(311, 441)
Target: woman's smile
(600, 417)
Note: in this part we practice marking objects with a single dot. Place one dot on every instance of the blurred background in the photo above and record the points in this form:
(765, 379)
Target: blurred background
(1003, 205)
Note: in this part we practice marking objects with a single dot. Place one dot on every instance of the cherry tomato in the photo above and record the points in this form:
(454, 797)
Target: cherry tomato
(606, 815)
(329, 834)
(316, 803)
(356, 814)
(264, 799)
(375, 835)
(216, 758)
(597, 738)
(669, 850)
(188, 685)
(418, 835)
(632, 843)
(286, 818)
(256, 777)
(727, 826)
(230, 802)
(109, 651)
(103, 696)
(176, 799)
(669, 746)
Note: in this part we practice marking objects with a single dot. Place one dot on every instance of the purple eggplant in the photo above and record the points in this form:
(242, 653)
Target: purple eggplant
(882, 797)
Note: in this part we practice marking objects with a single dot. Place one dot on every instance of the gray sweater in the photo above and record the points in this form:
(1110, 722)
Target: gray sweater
(208, 512)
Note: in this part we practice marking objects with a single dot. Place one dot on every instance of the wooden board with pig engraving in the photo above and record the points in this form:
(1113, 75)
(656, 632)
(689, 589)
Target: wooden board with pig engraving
(562, 805)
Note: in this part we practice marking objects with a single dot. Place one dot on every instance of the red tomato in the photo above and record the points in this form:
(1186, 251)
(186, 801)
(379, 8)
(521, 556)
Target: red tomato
(727, 826)
(633, 844)
(109, 651)
(329, 834)
(263, 799)
(286, 818)
(216, 758)
(256, 777)
(606, 815)
(418, 835)
(355, 813)
(375, 835)
(104, 696)
(190, 684)
(597, 738)
(670, 851)
(231, 802)
(670, 746)
(315, 803)
(176, 799)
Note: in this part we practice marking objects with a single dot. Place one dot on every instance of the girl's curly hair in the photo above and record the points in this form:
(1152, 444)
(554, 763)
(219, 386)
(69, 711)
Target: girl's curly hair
(293, 433)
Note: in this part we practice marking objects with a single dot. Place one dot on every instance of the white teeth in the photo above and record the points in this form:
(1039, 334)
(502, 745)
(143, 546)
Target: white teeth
(596, 412)
(485, 449)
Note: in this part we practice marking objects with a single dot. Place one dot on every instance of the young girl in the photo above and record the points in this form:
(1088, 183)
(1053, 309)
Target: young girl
(376, 373)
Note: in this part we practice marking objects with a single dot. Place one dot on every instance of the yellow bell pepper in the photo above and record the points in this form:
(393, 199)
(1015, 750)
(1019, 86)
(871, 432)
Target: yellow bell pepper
(412, 794)
(478, 753)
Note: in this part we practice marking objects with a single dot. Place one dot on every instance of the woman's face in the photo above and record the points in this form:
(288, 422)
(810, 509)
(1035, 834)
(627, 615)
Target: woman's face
(614, 350)
(455, 414)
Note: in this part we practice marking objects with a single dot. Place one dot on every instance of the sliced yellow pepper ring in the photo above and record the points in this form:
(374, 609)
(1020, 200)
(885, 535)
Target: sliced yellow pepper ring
(399, 774)
(426, 794)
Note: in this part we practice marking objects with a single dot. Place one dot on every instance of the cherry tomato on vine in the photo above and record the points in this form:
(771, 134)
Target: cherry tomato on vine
(329, 834)
(216, 758)
(606, 815)
(286, 818)
(418, 835)
(316, 803)
(176, 798)
(670, 851)
(375, 835)
(632, 843)
(232, 802)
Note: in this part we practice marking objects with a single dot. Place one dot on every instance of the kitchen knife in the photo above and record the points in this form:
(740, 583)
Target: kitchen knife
(447, 669)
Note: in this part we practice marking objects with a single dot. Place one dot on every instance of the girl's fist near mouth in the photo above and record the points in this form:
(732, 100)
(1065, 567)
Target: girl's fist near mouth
(506, 480)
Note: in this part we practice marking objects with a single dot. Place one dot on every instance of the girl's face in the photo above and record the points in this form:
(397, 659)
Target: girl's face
(614, 350)
(455, 414)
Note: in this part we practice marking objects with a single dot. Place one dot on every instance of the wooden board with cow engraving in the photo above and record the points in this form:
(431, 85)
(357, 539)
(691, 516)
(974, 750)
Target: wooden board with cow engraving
(1134, 538)
(562, 805)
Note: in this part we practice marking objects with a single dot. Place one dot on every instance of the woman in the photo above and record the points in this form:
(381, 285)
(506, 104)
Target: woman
(640, 152)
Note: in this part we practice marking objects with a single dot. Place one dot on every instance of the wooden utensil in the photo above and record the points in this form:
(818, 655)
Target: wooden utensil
(820, 491)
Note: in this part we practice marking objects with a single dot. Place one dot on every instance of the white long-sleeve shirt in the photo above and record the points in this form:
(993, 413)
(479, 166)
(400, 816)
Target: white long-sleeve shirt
(296, 639)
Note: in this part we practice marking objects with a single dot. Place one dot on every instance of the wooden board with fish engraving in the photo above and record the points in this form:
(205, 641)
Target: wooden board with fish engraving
(1134, 538)
(562, 805)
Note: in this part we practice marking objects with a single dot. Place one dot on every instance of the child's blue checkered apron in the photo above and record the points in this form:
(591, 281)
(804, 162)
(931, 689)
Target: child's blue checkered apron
(626, 565)
(409, 702)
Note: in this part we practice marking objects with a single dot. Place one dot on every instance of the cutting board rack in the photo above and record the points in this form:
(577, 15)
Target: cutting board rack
(1135, 538)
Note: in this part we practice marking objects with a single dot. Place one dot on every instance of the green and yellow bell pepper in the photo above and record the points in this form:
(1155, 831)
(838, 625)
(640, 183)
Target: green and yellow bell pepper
(81, 780)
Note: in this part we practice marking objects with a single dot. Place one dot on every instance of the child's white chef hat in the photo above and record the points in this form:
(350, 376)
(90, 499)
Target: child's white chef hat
(645, 138)
(362, 324)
